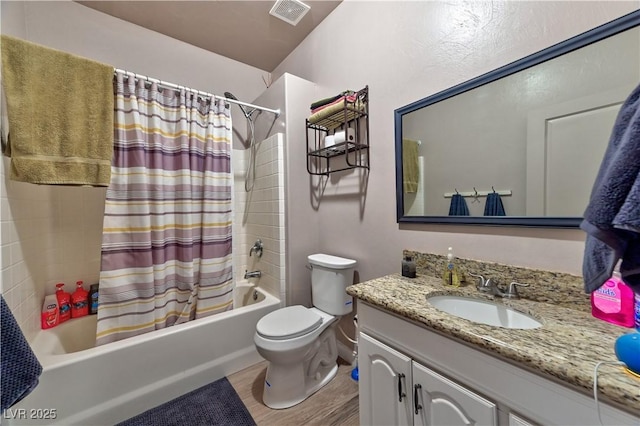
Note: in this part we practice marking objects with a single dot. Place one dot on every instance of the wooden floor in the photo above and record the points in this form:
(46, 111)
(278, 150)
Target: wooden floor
(335, 404)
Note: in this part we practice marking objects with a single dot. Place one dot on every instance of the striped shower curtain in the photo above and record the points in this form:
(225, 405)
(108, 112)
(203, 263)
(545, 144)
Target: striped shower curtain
(166, 245)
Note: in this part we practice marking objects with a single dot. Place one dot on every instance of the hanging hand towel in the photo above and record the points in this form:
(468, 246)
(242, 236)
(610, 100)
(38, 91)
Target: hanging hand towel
(60, 115)
(458, 206)
(612, 217)
(493, 206)
(20, 369)
(410, 168)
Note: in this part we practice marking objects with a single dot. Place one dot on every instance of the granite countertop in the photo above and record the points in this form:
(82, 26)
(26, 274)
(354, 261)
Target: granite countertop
(566, 347)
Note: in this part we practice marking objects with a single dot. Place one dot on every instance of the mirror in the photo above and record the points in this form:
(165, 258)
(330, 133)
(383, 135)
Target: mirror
(534, 131)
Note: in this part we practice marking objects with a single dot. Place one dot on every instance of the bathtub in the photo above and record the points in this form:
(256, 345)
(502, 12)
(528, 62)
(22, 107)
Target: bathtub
(83, 384)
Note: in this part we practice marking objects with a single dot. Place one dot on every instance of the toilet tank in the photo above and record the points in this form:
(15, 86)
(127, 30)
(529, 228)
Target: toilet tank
(330, 276)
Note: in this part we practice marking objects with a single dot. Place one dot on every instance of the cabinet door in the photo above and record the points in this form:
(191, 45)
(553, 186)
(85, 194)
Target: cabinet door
(442, 402)
(384, 384)
(516, 420)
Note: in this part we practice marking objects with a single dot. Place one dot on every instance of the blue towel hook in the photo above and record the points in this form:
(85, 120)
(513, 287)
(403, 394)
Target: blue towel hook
(494, 191)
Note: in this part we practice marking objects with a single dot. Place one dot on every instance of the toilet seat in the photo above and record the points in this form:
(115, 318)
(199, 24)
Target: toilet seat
(288, 323)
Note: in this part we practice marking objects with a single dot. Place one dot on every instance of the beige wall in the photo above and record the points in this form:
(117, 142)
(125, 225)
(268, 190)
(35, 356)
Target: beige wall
(50, 234)
(405, 51)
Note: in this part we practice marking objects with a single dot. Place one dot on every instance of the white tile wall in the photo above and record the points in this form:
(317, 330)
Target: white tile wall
(49, 234)
(260, 214)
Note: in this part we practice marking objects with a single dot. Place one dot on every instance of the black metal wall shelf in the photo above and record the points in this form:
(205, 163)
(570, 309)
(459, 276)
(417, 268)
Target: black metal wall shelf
(350, 116)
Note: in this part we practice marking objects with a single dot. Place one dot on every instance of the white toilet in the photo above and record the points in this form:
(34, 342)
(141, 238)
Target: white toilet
(300, 342)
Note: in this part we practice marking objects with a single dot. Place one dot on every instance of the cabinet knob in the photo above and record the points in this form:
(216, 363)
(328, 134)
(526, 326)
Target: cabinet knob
(400, 393)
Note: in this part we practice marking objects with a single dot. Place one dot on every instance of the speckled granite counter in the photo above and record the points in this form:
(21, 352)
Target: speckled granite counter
(566, 347)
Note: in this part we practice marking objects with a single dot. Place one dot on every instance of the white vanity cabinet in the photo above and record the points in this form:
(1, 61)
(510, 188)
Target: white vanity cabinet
(396, 390)
(458, 383)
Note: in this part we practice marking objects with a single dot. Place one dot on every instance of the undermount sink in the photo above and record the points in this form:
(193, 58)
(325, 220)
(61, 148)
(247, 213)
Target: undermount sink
(484, 312)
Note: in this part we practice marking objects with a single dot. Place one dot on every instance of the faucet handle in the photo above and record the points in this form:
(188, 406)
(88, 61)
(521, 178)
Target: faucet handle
(481, 281)
(257, 248)
(512, 291)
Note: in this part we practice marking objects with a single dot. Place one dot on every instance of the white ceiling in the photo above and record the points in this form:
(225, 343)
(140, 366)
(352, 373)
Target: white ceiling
(240, 30)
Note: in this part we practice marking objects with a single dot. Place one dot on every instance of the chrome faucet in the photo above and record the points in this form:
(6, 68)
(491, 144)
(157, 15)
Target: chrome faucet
(252, 274)
(490, 287)
(257, 248)
(487, 286)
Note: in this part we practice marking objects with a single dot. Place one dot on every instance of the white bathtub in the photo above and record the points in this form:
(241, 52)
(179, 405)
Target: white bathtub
(86, 385)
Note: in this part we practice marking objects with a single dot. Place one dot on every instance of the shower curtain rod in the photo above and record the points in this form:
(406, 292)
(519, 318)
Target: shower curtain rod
(175, 86)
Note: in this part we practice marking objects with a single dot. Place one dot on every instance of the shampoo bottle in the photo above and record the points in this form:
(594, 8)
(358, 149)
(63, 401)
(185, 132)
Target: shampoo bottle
(64, 302)
(79, 301)
(614, 302)
(93, 298)
(451, 275)
(49, 317)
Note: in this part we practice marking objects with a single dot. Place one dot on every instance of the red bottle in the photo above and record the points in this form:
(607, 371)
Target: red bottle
(79, 301)
(64, 303)
(49, 317)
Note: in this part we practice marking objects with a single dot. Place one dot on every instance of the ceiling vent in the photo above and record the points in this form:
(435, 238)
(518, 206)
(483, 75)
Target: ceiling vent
(290, 11)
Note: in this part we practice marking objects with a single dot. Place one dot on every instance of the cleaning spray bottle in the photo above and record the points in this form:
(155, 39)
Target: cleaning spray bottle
(614, 302)
(451, 275)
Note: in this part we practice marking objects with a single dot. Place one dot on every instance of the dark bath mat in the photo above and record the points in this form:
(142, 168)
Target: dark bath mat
(214, 404)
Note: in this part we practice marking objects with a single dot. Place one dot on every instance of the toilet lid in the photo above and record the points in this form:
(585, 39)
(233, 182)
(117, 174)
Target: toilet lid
(289, 322)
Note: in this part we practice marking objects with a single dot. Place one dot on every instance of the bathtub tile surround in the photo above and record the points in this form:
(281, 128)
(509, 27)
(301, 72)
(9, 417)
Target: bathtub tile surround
(259, 214)
(49, 234)
(549, 287)
(561, 349)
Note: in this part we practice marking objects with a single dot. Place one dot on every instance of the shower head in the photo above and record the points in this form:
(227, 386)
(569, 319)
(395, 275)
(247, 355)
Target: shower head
(229, 95)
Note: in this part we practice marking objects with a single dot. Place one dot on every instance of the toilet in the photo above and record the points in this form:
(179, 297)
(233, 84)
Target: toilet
(299, 342)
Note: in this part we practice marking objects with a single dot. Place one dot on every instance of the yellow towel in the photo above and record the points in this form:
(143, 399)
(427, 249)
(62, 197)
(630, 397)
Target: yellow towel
(410, 170)
(60, 115)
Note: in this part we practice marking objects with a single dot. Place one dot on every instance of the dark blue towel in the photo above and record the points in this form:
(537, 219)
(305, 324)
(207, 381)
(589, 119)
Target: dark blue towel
(20, 369)
(612, 218)
(493, 206)
(458, 206)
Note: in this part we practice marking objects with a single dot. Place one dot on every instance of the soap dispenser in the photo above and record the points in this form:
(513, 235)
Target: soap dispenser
(451, 275)
(408, 267)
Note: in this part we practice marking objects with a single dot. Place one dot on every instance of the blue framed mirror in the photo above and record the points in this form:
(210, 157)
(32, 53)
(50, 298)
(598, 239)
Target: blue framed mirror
(533, 131)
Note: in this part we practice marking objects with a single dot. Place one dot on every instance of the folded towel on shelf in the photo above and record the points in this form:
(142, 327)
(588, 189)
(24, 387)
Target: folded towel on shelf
(325, 101)
(493, 205)
(410, 168)
(60, 109)
(458, 206)
(323, 118)
(612, 217)
(340, 100)
(20, 369)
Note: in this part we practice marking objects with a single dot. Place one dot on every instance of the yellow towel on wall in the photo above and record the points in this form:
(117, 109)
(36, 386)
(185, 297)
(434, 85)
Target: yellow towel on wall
(60, 109)
(410, 169)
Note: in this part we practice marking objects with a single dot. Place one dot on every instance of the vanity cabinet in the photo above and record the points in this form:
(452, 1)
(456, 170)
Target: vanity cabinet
(459, 382)
(397, 390)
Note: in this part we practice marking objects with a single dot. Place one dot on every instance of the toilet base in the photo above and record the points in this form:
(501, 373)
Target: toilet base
(283, 387)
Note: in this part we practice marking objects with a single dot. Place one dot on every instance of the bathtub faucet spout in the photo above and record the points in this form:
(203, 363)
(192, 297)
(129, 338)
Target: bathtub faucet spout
(252, 274)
